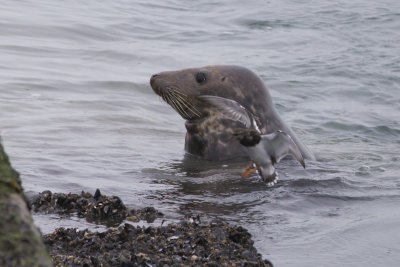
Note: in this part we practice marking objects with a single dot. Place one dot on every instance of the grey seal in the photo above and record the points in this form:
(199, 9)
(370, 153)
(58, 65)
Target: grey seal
(209, 134)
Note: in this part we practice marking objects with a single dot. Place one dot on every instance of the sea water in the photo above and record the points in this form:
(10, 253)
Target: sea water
(77, 113)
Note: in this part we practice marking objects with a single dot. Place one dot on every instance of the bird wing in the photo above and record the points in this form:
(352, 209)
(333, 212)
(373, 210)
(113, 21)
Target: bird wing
(229, 108)
(280, 144)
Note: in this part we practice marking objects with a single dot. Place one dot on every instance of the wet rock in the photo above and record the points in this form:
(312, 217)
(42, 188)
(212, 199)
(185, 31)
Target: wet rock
(106, 209)
(97, 194)
(187, 243)
(133, 218)
(20, 240)
(240, 235)
(183, 244)
(98, 208)
(149, 214)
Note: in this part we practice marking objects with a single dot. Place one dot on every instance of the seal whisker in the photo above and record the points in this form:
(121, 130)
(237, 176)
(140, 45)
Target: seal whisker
(179, 107)
(182, 104)
(185, 98)
(167, 97)
(177, 92)
(168, 100)
(179, 99)
(183, 109)
(163, 96)
(175, 106)
(187, 104)
(190, 106)
(171, 103)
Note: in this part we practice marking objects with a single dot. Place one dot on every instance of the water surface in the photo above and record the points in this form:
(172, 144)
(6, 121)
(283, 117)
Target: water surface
(77, 113)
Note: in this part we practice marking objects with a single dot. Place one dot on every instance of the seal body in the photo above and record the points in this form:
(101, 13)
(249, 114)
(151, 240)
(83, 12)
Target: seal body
(209, 134)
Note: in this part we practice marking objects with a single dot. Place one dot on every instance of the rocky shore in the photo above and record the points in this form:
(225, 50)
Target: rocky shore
(187, 243)
(190, 242)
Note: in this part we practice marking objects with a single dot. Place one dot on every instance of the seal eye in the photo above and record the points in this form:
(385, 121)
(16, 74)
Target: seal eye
(200, 77)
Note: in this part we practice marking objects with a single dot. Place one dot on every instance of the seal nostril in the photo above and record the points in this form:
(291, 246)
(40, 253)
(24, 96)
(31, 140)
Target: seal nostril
(153, 78)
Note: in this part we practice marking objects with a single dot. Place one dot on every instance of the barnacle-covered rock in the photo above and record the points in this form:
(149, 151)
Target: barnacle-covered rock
(98, 208)
(188, 243)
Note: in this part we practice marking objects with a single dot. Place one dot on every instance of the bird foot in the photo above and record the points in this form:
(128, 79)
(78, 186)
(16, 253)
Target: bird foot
(248, 171)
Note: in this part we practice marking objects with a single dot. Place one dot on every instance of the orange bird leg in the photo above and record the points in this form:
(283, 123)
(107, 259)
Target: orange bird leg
(247, 172)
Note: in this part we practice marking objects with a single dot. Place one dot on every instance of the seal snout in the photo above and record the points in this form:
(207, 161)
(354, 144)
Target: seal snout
(173, 96)
(153, 79)
(156, 84)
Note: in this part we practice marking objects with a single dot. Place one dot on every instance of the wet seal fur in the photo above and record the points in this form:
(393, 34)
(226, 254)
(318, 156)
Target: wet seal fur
(209, 134)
